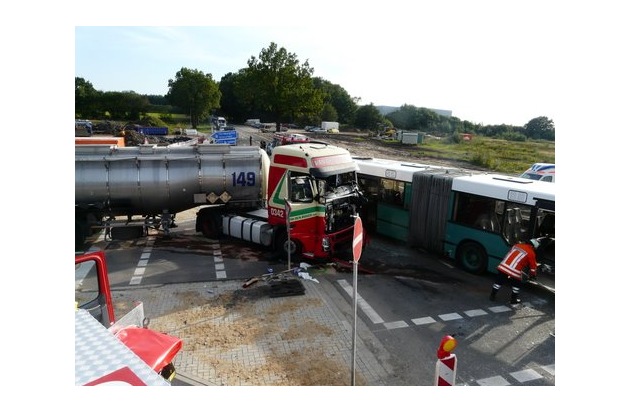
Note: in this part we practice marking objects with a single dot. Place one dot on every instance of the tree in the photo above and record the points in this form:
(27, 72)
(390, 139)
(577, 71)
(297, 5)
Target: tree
(276, 83)
(368, 117)
(540, 128)
(195, 92)
(231, 105)
(329, 113)
(335, 95)
(124, 105)
(86, 99)
(406, 117)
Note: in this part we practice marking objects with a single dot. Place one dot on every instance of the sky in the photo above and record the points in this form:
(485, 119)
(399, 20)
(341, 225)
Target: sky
(468, 69)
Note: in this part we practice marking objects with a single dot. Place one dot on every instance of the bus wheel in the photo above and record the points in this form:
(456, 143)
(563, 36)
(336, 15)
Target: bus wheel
(472, 257)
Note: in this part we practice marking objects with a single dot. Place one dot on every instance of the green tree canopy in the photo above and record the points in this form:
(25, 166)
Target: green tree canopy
(231, 104)
(345, 106)
(540, 128)
(125, 105)
(195, 92)
(368, 117)
(276, 83)
(86, 99)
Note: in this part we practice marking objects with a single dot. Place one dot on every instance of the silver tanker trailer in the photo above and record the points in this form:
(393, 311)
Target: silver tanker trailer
(128, 190)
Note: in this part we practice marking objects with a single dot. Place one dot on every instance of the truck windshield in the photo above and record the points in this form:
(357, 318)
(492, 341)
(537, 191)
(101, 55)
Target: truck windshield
(301, 190)
(334, 182)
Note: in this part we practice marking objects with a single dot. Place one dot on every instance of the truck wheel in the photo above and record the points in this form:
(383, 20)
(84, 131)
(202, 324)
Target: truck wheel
(208, 224)
(283, 245)
(472, 257)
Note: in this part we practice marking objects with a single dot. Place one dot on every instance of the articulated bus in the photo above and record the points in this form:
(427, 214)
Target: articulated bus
(470, 217)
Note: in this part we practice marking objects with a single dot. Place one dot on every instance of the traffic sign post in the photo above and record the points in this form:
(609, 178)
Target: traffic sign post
(357, 246)
(287, 212)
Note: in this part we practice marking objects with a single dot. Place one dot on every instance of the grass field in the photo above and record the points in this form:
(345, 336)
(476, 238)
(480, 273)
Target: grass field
(495, 154)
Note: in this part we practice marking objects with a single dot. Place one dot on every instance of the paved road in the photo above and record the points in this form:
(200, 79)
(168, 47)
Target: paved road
(409, 300)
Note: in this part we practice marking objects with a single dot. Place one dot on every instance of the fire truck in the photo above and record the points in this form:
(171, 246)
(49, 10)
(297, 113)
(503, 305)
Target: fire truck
(110, 351)
(302, 201)
(283, 138)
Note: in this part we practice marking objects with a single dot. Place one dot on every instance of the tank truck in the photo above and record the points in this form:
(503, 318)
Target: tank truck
(240, 191)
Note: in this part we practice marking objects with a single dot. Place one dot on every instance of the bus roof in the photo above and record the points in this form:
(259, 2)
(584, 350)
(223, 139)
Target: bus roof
(393, 169)
(511, 188)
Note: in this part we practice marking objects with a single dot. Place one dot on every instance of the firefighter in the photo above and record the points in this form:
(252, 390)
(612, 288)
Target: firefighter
(518, 266)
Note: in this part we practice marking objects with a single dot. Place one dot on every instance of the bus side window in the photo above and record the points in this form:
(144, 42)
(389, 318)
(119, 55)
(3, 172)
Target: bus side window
(392, 192)
(508, 229)
(488, 221)
(519, 225)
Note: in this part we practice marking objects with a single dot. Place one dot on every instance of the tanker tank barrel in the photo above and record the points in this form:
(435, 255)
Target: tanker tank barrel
(148, 179)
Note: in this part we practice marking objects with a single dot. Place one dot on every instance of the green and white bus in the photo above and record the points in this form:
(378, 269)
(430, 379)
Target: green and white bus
(468, 216)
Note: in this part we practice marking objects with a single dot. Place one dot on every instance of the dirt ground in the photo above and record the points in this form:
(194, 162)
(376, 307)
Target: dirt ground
(218, 327)
(357, 145)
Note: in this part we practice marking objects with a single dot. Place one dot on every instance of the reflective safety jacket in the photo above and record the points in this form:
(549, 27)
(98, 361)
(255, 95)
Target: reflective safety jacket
(520, 257)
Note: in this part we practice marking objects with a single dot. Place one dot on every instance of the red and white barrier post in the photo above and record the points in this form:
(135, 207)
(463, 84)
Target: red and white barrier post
(446, 366)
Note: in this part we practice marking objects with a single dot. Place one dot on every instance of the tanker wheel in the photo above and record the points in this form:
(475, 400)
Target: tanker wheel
(283, 245)
(80, 234)
(472, 257)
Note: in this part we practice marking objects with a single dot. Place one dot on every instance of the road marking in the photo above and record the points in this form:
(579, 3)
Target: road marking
(423, 321)
(450, 316)
(376, 319)
(493, 381)
(499, 309)
(526, 375)
(219, 266)
(475, 312)
(138, 272)
(522, 376)
(396, 325)
(365, 307)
